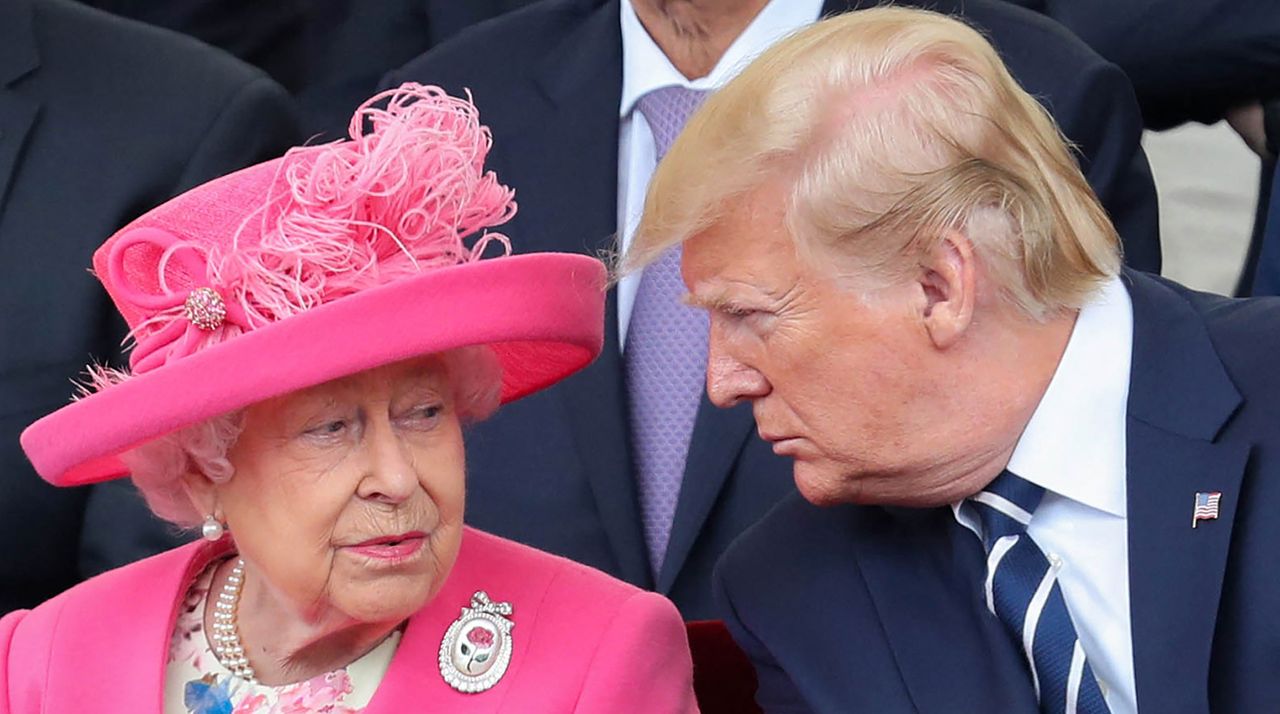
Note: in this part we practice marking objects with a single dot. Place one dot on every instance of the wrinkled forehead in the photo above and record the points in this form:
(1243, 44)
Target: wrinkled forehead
(750, 245)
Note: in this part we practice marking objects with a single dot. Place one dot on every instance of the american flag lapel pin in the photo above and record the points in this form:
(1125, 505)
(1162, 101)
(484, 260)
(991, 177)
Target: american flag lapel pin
(1206, 507)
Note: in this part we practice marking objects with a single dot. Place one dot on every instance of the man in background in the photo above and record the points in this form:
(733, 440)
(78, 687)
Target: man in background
(100, 119)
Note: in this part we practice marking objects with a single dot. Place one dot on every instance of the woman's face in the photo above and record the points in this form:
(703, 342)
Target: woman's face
(347, 498)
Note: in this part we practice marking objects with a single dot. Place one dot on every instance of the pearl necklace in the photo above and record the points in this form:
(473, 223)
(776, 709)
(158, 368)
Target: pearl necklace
(226, 634)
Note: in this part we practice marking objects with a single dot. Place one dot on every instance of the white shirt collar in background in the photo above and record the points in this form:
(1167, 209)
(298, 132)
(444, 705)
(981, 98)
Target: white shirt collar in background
(645, 68)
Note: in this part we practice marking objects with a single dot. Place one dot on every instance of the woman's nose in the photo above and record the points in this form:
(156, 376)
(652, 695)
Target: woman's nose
(391, 475)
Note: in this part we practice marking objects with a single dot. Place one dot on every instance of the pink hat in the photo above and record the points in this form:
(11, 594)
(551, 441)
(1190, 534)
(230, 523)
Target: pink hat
(329, 261)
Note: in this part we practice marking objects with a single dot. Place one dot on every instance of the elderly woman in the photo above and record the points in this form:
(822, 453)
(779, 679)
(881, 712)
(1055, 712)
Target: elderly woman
(311, 335)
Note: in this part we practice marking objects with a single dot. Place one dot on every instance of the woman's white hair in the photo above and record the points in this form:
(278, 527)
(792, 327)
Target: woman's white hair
(158, 466)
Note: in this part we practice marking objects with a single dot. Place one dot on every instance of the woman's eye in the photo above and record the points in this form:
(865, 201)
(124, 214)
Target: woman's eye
(329, 428)
(425, 414)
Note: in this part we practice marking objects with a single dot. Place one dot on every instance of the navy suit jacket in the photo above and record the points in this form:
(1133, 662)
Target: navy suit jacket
(555, 470)
(873, 609)
(100, 119)
(1190, 60)
(348, 45)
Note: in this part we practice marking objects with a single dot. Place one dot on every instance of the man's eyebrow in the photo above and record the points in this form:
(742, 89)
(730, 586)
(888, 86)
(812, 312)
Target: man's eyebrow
(721, 298)
(703, 303)
(717, 299)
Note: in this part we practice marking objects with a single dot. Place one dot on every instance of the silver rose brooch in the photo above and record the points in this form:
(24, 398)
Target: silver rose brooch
(476, 648)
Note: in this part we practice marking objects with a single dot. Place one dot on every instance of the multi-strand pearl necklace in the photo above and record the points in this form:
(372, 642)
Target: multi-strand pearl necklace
(226, 634)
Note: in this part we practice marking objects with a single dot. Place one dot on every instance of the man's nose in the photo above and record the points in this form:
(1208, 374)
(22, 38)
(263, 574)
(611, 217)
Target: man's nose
(730, 381)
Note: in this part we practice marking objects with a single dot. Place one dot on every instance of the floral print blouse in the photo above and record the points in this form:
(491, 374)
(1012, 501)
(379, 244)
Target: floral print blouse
(197, 683)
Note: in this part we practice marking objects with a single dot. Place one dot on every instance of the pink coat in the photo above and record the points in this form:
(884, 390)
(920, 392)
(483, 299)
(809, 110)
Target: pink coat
(583, 642)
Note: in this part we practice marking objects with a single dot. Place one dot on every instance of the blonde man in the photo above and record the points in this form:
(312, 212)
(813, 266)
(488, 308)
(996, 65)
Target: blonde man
(652, 481)
(1020, 466)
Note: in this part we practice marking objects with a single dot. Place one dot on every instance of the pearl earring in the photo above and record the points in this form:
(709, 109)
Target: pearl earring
(212, 529)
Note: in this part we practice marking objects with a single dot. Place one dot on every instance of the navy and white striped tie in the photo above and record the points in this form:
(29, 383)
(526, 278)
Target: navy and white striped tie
(1022, 590)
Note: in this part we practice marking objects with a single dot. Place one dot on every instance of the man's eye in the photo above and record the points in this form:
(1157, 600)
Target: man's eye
(738, 311)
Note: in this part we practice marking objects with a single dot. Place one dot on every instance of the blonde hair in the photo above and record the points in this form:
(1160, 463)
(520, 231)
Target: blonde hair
(891, 126)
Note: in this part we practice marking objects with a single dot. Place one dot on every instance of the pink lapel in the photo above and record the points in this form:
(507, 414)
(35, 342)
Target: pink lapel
(118, 627)
(414, 677)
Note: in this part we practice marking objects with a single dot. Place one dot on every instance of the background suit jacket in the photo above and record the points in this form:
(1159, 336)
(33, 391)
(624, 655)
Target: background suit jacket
(871, 609)
(582, 643)
(100, 120)
(1190, 60)
(555, 470)
(350, 44)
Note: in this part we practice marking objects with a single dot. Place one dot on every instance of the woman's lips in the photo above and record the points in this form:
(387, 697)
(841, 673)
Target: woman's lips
(390, 548)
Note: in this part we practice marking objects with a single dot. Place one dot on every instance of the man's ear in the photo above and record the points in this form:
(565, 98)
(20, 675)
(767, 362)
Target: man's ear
(947, 278)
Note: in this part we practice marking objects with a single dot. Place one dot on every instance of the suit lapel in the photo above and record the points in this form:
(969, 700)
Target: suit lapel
(18, 58)
(582, 80)
(124, 635)
(1176, 572)
(413, 681)
(718, 438)
(1180, 397)
(923, 572)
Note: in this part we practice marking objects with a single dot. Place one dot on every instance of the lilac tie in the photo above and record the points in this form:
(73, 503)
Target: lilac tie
(666, 354)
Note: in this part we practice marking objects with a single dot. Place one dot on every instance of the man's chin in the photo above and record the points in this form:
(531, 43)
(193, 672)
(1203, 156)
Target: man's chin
(819, 486)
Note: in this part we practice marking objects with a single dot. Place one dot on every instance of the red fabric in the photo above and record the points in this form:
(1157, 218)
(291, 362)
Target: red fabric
(723, 678)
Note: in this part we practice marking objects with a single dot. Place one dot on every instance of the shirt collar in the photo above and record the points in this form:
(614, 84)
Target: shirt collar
(1074, 444)
(645, 67)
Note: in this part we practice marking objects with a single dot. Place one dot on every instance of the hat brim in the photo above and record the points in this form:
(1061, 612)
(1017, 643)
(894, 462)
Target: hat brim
(542, 314)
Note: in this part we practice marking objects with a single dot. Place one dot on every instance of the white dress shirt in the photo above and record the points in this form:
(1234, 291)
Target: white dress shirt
(644, 69)
(1074, 447)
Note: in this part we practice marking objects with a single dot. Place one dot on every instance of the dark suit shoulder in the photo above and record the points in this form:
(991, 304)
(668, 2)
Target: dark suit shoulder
(167, 112)
(1009, 26)
(793, 537)
(197, 112)
(141, 57)
(498, 48)
(1246, 335)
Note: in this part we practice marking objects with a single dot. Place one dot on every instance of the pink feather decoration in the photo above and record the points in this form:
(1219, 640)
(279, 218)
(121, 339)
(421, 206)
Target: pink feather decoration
(356, 214)
(408, 195)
